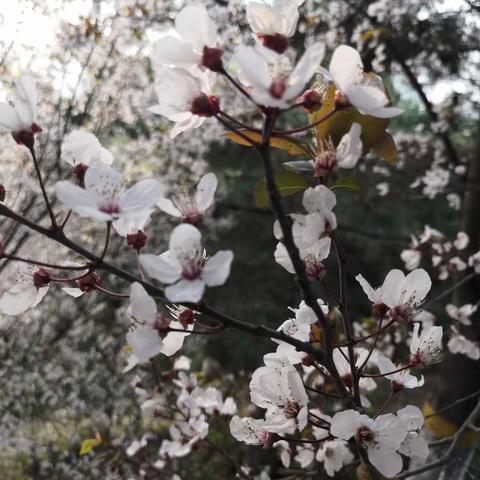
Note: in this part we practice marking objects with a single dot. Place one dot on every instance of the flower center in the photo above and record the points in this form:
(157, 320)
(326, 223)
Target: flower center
(188, 208)
(325, 163)
(365, 435)
(291, 409)
(192, 262)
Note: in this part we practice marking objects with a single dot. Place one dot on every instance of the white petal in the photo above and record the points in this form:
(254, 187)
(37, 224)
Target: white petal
(206, 191)
(350, 147)
(387, 462)
(26, 105)
(417, 285)
(9, 120)
(254, 67)
(372, 294)
(346, 66)
(103, 182)
(412, 417)
(196, 27)
(168, 207)
(217, 268)
(142, 196)
(345, 424)
(163, 268)
(145, 343)
(186, 291)
(185, 238)
(80, 201)
(142, 305)
(391, 288)
(283, 258)
(170, 50)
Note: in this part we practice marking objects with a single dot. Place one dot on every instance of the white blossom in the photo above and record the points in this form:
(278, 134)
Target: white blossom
(461, 314)
(194, 33)
(381, 437)
(401, 379)
(104, 199)
(21, 117)
(458, 343)
(364, 92)
(334, 454)
(83, 148)
(275, 84)
(250, 430)
(185, 266)
(425, 349)
(273, 17)
(191, 209)
(401, 294)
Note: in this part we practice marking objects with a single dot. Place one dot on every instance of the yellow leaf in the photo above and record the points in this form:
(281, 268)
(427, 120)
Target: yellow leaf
(89, 444)
(386, 148)
(336, 126)
(440, 427)
(287, 144)
(375, 32)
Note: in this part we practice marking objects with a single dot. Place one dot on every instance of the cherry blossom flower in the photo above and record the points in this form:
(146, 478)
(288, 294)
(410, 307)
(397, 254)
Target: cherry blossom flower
(298, 328)
(401, 294)
(105, 200)
(278, 387)
(342, 365)
(19, 120)
(313, 257)
(183, 437)
(414, 446)
(334, 454)
(462, 241)
(474, 262)
(412, 256)
(346, 155)
(250, 431)
(320, 219)
(381, 437)
(150, 335)
(193, 43)
(273, 17)
(364, 91)
(275, 84)
(183, 98)
(401, 379)
(185, 266)
(425, 349)
(458, 343)
(192, 209)
(461, 314)
(83, 148)
(19, 291)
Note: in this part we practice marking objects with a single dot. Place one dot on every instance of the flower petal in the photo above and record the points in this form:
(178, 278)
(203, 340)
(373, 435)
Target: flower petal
(206, 191)
(186, 291)
(217, 268)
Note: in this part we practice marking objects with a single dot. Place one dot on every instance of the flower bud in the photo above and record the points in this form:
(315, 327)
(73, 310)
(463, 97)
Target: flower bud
(88, 283)
(137, 240)
(212, 59)
(311, 101)
(379, 310)
(41, 278)
(26, 137)
(3, 193)
(278, 43)
(186, 317)
(205, 105)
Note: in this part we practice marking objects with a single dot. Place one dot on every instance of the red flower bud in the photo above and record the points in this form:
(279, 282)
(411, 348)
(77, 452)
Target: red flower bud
(88, 283)
(137, 240)
(41, 278)
(278, 43)
(26, 137)
(3, 193)
(379, 310)
(212, 59)
(311, 101)
(205, 105)
(186, 317)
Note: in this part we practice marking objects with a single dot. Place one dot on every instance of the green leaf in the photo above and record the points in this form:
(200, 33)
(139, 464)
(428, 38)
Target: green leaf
(299, 166)
(288, 184)
(349, 183)
(89, 444)
(386, 149)
(290, 145)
